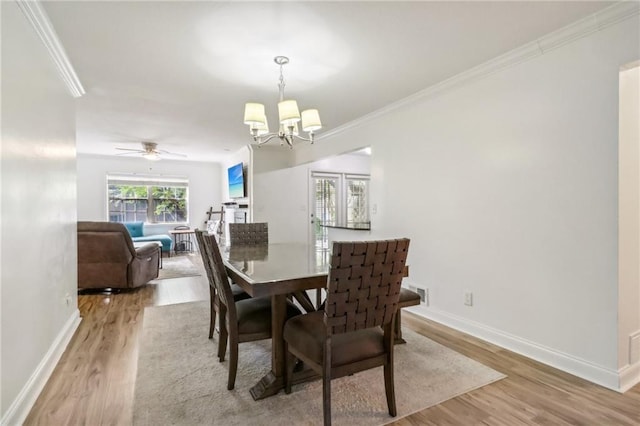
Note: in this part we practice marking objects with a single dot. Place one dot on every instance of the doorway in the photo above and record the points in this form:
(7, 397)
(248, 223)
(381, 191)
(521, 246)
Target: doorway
(629, 226)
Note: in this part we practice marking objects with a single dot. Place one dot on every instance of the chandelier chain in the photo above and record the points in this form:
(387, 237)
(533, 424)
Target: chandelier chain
(281, 84)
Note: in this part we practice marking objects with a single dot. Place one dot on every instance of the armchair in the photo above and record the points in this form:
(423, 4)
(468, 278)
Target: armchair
(107, 258)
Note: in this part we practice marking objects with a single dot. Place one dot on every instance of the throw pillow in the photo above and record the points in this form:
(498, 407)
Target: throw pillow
(135, 228)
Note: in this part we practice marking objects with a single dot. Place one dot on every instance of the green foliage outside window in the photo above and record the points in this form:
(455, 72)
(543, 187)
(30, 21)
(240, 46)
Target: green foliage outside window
(146, 203)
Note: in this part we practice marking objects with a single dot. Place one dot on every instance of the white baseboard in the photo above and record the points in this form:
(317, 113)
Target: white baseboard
(610, 379)
(21, 406)
(629, 376)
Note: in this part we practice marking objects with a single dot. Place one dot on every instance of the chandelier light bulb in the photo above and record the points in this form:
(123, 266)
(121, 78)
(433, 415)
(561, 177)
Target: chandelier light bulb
(261, 128)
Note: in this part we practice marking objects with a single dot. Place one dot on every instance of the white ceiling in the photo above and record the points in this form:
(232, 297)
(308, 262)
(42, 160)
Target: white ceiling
(178, 73)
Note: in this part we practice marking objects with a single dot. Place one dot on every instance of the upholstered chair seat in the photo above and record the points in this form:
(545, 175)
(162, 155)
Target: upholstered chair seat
(254, 315)
(308, 332)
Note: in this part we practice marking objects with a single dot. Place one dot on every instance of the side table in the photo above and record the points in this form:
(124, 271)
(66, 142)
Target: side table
(182, 239)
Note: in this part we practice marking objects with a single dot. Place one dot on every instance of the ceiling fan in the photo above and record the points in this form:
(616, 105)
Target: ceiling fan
(149, 151)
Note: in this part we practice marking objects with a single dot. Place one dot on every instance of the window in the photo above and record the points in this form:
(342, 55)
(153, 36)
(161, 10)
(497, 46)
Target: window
(151, 199)
(357, 201)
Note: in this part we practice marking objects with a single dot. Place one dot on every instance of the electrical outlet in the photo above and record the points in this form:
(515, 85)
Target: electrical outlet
(468, 298)
(67, 299)
(423, 294)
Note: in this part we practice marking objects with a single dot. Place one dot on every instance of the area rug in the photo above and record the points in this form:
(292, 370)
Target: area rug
(181, 382)
(188, 265)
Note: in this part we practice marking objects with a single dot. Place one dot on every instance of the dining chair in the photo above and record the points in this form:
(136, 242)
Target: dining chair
(241, 321)
(236, 290)
(249, 233)
(355, 332)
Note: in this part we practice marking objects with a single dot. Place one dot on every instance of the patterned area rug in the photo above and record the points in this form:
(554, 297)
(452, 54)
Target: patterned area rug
(181, 382)
(176, 266)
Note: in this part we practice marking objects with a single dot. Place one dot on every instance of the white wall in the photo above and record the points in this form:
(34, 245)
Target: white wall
(204, 185)
(38, 230)
(629, 225)
(507, 186)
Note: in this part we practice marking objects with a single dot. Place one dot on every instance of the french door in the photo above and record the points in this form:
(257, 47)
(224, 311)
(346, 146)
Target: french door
(337, 199)
(325, 198)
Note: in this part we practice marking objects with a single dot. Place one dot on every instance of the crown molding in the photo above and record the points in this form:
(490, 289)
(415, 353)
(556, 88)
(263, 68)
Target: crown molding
(40, 22)
(579, 29)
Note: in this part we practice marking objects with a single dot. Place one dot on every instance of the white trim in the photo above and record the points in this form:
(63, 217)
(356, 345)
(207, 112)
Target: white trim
(582, 28)
(38, 18)
(549, 356)
(629, 377)
(19, 409)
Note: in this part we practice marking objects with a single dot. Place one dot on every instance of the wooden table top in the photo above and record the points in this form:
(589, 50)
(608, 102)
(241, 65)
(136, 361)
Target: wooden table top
(265, 270)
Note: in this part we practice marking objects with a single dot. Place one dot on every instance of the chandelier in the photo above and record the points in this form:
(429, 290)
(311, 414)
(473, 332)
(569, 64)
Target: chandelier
(256, 119)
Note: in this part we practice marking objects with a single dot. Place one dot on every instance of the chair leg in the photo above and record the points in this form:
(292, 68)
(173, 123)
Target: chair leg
(326, 383)
(389, 387)
(289, 364)
(224, 334)
(233, 360)
(398, 328)
(212, 301)
(326, 401)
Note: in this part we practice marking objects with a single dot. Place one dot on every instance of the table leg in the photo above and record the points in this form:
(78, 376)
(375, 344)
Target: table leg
(273, 382)
(278, 316)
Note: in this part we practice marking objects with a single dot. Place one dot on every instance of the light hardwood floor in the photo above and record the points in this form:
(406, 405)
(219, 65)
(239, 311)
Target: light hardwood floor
(94, 382)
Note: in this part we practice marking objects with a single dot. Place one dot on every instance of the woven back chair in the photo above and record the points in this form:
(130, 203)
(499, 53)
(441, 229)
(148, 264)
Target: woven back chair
(249, 233)
(245, 320)
(355, 332)
(237, 292)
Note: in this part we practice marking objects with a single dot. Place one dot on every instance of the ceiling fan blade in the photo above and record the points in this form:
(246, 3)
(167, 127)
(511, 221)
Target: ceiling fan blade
(129, 149)
(162, 151)
(131, 153)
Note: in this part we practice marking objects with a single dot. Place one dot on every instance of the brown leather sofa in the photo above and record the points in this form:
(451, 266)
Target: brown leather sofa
(107, 258)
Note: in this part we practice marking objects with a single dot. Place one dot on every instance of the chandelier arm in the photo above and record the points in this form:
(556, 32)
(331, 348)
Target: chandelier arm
(262, 140)
(309, 139)
(289, 140)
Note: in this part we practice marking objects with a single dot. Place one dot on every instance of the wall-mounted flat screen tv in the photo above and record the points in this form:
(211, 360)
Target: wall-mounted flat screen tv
(236, 181)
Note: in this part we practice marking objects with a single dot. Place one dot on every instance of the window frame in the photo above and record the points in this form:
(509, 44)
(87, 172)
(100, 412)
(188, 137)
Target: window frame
(150, 182)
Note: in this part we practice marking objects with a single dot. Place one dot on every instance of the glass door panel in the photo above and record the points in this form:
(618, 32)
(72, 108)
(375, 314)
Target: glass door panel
(325, 207)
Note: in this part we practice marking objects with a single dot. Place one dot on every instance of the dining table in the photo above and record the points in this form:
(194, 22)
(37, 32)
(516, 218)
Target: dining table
(278, 271)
